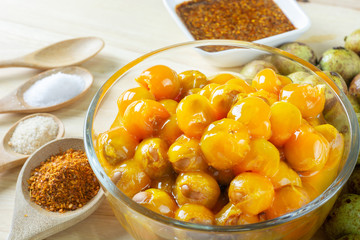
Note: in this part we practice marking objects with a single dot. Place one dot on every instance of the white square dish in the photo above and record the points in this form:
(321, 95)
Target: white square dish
(231, 57)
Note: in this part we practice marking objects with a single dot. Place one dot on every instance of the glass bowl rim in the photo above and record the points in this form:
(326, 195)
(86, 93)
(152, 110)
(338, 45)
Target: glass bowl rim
(335, 186)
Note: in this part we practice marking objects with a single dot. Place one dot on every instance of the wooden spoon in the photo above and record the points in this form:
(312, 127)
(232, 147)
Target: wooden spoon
(10, 158)
(30, 221)
(14, 102)
(61, 54)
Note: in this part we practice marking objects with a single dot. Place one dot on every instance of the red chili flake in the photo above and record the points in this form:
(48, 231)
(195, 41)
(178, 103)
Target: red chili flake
(246, 20)
(63, 182)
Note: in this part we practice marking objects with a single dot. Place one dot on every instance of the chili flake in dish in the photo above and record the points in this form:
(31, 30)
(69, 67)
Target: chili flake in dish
(64, 182)
(246, 20)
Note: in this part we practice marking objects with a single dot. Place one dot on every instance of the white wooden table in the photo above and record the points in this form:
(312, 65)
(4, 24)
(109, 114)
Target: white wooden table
(129, 29)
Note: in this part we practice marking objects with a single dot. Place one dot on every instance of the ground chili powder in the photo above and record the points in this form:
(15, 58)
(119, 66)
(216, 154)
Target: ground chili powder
(246, 20)
(63, 182)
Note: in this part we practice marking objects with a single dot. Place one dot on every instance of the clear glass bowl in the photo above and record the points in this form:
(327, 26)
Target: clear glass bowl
(142, 223)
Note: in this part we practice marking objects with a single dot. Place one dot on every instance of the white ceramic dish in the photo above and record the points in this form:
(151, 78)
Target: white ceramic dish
(234, 57)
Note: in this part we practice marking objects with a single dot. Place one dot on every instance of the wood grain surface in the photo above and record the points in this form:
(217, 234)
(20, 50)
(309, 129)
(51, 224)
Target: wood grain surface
(129, 29)
(341, 3)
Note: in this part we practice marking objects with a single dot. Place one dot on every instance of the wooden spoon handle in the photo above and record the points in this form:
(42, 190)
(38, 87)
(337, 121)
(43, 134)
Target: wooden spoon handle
(23, 227)
(11, 103)
(11, 164)
(28, 222)
(17, 62)
(8, 160)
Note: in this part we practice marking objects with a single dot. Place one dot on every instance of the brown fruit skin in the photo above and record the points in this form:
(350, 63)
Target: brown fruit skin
(352, 41)
(354, 88)
(341, 60)
(301, 50)
(338, 80)
(354, 182)
(298, 77)
(340, 83)
(344, 218)
(350, 237)
(356, 106)
(354, 103)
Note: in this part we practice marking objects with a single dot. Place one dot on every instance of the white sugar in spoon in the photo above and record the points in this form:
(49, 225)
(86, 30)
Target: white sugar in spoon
(30, 221)
(9, 158)
(14, 102)
(60, 54)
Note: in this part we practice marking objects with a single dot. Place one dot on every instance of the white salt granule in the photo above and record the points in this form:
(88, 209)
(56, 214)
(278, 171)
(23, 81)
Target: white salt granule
(32, 133)
(54, 89)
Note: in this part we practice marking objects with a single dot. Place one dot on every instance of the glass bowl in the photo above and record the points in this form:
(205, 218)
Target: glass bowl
(142, 223)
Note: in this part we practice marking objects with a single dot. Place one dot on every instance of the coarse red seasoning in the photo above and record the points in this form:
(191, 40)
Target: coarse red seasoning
(246, 20)
(64, 182)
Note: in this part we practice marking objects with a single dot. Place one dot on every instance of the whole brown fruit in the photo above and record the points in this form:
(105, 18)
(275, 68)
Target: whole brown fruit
(354, 88)
(352, 41)
(341, 60)
(344, 217)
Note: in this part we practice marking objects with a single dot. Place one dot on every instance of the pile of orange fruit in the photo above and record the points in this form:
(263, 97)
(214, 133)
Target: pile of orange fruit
(220, 150)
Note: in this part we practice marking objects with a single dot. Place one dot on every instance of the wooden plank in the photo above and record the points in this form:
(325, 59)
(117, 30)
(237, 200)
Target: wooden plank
(343, 3)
